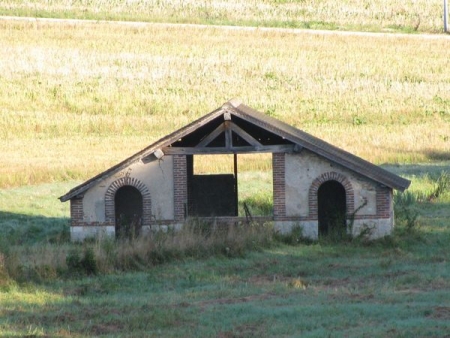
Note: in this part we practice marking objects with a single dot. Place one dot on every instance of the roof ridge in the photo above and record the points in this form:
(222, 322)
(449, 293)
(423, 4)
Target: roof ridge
(271, 124)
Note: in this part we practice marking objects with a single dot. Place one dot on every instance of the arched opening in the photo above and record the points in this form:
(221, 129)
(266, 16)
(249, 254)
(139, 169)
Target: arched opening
(332, 208)
(128, 212)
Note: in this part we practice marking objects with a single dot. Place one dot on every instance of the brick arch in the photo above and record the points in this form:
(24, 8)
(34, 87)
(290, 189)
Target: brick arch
(330, 176)
(111, 193)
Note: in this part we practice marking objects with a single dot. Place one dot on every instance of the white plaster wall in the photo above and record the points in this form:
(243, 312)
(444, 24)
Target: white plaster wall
(157, 177)
(303, 168)
(79, 234)
(376, 228)
(310, 229)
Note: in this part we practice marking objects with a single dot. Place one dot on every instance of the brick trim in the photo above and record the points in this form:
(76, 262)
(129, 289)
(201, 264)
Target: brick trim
(180, 187)
(76, 211)
(384, 202)
(110, 215)
(279, 185)
(330, 176)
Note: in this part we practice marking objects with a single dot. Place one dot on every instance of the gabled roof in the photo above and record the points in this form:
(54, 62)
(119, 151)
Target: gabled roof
(265, 132)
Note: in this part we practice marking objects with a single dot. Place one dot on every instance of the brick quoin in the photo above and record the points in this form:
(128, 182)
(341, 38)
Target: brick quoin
(76, 211)
(279, 186)
(384, 202)
(180, 186)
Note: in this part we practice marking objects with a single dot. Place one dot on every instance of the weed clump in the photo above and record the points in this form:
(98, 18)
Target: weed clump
(106, 255)
(441, 185)
(295, 237)
(405, 210)
(86, 265)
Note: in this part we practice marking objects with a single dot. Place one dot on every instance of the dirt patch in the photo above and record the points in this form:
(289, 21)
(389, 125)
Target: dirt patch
(259, 280)
(100, 329)
(266, 279)
(353, 297)
(63, 333)
(336, 283)
(221, 301)
(441, 312)
(63, 318)
(244, 330)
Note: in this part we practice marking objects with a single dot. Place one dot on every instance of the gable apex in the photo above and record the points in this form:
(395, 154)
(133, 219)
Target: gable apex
(236, 128)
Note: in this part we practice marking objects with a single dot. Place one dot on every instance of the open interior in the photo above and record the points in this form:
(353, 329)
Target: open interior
(255, 182)
(230, 185)
(229, 166)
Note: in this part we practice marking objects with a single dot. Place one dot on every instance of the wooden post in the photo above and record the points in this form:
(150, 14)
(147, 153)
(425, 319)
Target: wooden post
(236, 211)
(445, 16)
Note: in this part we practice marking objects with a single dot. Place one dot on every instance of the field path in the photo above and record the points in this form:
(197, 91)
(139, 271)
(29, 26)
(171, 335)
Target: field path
(246, 28)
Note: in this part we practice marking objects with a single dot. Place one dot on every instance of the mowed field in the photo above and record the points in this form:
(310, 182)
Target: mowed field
(357, 15)
(78, 97)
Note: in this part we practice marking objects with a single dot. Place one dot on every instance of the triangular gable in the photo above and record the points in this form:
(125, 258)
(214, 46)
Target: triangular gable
(237, 128)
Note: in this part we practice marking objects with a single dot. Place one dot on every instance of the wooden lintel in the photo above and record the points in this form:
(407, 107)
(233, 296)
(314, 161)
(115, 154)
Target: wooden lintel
(223, 150)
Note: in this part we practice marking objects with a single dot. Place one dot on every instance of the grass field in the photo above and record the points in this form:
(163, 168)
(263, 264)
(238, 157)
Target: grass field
(359, 15)
(76, 98)
(395, 287)
(307, 291)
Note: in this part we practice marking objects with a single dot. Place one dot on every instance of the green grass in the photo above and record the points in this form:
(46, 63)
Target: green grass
(31, 214)
(78, 98)
(393, 287)
(312, 291)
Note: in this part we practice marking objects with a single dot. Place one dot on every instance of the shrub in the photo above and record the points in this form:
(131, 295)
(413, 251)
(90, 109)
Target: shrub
(405, 212)
(86, 265)
(88, 262)
(441, 186)
(73, 261)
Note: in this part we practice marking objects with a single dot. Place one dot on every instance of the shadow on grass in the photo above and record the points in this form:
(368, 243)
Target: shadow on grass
(285, 280)
(17, 229)
(194, 298)
(419, 170)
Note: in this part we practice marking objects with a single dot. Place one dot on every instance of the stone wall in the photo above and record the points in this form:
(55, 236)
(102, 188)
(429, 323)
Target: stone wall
(93, 214)
(296, 180)
(368, 203)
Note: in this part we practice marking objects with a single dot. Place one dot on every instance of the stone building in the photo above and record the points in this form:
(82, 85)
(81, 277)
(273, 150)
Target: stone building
(315, 184)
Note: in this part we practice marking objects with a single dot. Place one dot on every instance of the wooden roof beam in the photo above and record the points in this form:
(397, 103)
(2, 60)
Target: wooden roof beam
(246, 136)
(209, 138)
(288, 148)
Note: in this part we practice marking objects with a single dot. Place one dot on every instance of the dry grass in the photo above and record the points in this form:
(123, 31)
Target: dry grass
(77, 98)
(388, 15)
(193, 240)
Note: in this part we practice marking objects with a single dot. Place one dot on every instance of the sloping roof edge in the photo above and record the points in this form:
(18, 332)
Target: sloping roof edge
(283, 129)
(166, 140)
(322, 148)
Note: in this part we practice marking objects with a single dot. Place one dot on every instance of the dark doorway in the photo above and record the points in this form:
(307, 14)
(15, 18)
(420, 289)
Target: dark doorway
(128, 208)
(212, 185)
(213, 195)
(332, 208)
